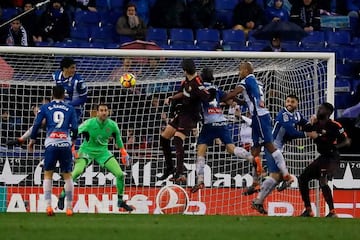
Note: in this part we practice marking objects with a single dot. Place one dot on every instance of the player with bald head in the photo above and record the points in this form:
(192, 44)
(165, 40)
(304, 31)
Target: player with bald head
(252, 90)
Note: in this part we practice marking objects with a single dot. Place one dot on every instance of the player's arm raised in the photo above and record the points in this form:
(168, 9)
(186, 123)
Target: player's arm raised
(233, 93)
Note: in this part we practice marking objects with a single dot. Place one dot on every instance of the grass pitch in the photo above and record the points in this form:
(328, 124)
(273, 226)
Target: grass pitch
(38, 226)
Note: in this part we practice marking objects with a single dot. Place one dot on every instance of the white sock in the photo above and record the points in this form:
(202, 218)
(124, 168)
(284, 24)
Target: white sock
(69, 189)
(47, 186)
(266, 188)
(280, 162)
(200, 165)
(242, 153)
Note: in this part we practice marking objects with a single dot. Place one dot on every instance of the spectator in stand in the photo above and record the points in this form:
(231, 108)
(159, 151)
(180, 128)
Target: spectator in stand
(277, 12)
(130, 24)
(54, 23)
(168, 14)
(85, 5)
(248, 15)
(274, 46)
(327, 7)
(306, 14)
(202, 14)
(17, 35)
(30, 22)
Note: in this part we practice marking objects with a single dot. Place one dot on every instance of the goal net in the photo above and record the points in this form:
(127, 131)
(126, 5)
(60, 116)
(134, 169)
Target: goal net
(26, 80)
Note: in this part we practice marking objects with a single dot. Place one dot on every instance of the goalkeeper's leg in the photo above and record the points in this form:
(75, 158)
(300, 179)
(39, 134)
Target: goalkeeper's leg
(79, 168)
(113, 166)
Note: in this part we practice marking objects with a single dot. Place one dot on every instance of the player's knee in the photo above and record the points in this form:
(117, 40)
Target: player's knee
(178, 142)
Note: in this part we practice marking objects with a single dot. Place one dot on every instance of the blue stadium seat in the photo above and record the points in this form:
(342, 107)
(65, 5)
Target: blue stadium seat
(157, 35)
(66, 44)
(233, 37)
(43, 44)
(86, 18)
(225, 17)
(8, 13)
(80, 34)
(225, 4)
(102, 34)
(342, 85)
(343, 69)
(337, 38)
(315, 38)
(181, 36)
(112, 45)
(117, 4)
(207, 39)
(110, 17)
(91, 45)
(102, 5)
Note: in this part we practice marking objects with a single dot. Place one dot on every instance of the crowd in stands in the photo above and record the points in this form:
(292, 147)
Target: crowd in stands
(192, 25)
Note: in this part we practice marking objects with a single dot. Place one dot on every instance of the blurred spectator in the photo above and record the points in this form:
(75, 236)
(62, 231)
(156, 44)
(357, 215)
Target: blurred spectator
(30, 22)
(202, 14)
(131, 25)
(353, 7)
(248, 15)
(277, 12)
(126, 67)
(274, 46)
(17, 35)
(306, 14)
(327, 7)
(85, 5)
(54, 23)
(168, 14)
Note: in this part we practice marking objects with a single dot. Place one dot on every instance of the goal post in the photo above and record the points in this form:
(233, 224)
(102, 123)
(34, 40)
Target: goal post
(26, 79)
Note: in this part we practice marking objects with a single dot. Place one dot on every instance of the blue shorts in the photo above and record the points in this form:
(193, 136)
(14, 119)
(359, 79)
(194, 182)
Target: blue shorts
(261, 130)
(215, 130)
(61, 154)
(270, 162)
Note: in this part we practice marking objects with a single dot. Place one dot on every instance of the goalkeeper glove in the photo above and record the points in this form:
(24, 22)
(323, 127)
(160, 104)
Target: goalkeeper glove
(125, 158)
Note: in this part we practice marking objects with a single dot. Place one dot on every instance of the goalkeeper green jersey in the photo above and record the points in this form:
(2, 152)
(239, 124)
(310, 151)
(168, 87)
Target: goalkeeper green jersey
(97, 135)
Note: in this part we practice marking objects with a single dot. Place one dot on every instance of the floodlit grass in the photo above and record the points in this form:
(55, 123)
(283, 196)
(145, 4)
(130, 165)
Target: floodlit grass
(38, 226)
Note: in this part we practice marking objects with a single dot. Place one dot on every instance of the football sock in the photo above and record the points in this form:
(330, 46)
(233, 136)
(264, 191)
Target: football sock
(280, 162)
(165, 144)
(200, 165)
(69, 189)
(242, 153)
(178, 142)
(266, 188)
(327, 196)
(47, 186)
(79, 168)
(113, 166)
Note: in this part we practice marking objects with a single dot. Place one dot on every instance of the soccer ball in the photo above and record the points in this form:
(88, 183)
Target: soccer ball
(128, 80)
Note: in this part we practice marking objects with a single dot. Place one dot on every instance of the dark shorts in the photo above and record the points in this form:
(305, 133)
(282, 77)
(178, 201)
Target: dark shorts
(215, 130)
(61, 154)
(184, 123)
(323, 165)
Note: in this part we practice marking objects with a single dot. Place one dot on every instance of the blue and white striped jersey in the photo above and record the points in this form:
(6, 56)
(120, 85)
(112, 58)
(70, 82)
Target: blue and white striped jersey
(60, 120)
(285, 127)
(212, 111)
(253, 94)
(75, 89)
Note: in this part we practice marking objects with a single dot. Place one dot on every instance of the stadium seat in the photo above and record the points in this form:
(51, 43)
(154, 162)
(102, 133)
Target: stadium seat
(110, 17)
(233, 37)
(101, 34)
(337, 38)
(315, 38)
(207, 39)
(112, 45)
(66, 44)
(117, 4)
(225, 4)
(342, 85)
(8, 13)
(102, 5)
(344, 69)
(224, 18)
(43, 44)
(181, 36)
(91, 45)
(80, 34)
(157, 35)
(86, 18)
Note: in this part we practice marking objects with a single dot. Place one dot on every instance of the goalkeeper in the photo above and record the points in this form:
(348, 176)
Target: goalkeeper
(97, 131)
